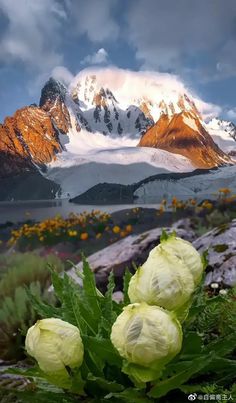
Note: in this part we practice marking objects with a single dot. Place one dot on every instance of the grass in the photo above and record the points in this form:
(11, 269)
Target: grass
(17, 272)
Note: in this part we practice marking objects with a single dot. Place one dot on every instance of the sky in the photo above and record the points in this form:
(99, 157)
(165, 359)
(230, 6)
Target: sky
(193, 40)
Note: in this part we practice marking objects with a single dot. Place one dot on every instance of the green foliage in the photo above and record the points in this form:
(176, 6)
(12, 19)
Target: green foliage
(16, 311)
(207, 353)
(17, 314)
(213, 316)
(22, 269)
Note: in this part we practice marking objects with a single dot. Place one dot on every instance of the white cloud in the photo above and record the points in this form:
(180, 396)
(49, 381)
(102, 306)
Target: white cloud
(31, 32)
(99, 57)
(94, 18)
(231, 113)
(208, 110)
(62, 74)
(128, 85)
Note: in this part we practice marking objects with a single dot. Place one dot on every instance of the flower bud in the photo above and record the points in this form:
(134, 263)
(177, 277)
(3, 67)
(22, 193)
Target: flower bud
(184, 250)
(55, 344)
(147, 336)
(163, 280)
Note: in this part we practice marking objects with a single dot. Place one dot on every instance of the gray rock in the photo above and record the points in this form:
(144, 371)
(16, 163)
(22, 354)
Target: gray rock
(221, 245)
(220, 242)
(122, 254)
(186, 225)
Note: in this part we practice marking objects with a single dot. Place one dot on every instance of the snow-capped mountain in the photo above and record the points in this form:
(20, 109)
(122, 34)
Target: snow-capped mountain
(97, 122)
(112, 109)
(184, 134)
(223, 134)
(112, 160)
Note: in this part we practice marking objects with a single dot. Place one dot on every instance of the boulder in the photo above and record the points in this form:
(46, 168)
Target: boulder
(221, 245)
(123, 254)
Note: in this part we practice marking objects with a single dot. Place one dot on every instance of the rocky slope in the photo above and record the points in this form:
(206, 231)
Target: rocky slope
(223, 134)
(115, 105)
(184, 134)
(53, 101)
(121, 112)
(27, 138)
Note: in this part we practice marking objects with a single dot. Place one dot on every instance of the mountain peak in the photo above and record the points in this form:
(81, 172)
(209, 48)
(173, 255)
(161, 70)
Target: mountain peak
(27, 138)
(185, 135)
(53, 101)
(52, 90)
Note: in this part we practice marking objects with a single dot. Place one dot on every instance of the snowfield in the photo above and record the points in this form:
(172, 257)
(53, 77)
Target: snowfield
(223, 134)
(198, 186)
(92, 158)
(109, 111)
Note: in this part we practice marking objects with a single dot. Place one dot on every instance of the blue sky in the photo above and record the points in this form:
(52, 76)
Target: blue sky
(195, 40)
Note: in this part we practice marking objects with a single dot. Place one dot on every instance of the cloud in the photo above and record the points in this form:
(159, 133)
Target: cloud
(62, 74)
(30, 32)
(130, 85)
(94, 19)
(99, 57)
(231, 113)
(170, 35)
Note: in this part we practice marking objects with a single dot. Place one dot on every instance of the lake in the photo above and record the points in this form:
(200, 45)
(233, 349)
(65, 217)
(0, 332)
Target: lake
(42, 209)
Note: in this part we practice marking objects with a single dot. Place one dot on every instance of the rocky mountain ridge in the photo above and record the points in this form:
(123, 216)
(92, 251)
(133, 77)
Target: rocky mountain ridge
(27, 139)
(184, 134)
(35, 135)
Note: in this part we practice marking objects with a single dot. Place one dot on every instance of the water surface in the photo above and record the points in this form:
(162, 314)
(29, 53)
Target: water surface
(42, 209)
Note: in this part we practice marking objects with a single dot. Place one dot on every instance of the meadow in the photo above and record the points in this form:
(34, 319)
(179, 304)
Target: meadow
(36, 254)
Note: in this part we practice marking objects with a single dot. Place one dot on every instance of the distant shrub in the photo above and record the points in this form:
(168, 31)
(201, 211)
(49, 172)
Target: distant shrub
(16, 315)
(22, 269)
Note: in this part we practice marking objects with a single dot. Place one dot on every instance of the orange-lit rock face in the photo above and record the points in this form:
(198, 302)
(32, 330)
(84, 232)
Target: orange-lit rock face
(27, 138)
(145, 108)
(103, 98)
(184, 99)
(183, 134)
(59, 114)
(99, 100)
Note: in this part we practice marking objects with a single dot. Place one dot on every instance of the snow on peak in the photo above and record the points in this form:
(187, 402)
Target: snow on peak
(130, 87)
(189, 120)
(223, 133)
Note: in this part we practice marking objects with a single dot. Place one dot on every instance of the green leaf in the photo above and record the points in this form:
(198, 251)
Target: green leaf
(108, 386)
(192, 367)
(127, 278)
(74, 309)
(139, 374)
(90, 290)
(104, 349)
(57, 282)
(222, 365)
(164, 235)
(205, 259)
(192, 344)
(222, 346)
(92, 364)
(77, 383)
(44, 310)
(110, 309)
(107, 303)
(130, 396)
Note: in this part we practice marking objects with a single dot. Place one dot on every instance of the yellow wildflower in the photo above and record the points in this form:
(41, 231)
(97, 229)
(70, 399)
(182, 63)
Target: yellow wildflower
(84, 236)
(116, 229)
(129, 228)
